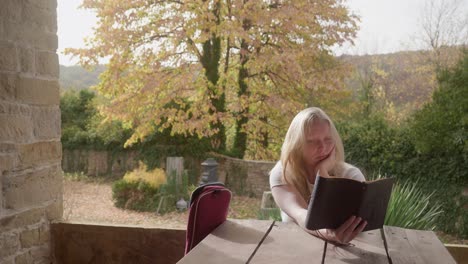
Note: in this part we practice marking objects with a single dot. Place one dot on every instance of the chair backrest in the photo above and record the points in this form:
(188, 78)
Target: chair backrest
(209, 205)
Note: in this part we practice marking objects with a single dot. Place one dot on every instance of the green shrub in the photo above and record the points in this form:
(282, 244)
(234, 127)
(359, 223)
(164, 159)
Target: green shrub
(411, 207)
(376, 148)
(154, 177)
(140, 195)
(135, 195)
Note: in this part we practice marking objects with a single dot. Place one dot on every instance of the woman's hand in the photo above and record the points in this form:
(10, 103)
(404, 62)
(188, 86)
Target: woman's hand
(343, 234)
(347, 231)
(327, 164)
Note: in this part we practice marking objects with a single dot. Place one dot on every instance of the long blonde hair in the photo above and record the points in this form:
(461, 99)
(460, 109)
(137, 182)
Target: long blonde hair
(294, 172)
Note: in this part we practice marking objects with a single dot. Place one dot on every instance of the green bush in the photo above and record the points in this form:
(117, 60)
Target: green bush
(138, 196)
(141, 196)
(411, 207)
(83, 126)
(377, 148)
(442, 124)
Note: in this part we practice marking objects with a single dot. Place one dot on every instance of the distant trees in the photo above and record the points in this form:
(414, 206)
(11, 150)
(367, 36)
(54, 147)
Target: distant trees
(444, 24)
(214, 68)
(84, 127)
(442, 125)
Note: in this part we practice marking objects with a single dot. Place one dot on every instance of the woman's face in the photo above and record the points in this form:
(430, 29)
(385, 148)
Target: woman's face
(319, 143)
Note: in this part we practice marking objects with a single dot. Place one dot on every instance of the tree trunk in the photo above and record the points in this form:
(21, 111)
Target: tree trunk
(240, 140)
(210, 61)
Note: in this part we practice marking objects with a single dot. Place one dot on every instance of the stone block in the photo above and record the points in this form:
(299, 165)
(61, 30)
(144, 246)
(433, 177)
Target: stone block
(26, 34)
(45, 4)
(44, 233)
(7, 86)
(8, 57)
(36, 91)
(30, 189)
(11, 11)
(46, 19)
(2, 31)
(24, 258)
(7, 162)
(46, 122)
(47, 64)
(9, 244)
(29, 238)
(33, 154)
(7, 261)
(54, 211)
(41, 255)
(26, 60)
(7, 148)
(10, 108)
(16, 127)
(21, 218)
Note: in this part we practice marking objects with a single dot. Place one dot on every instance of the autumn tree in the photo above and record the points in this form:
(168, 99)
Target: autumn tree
(198, 66)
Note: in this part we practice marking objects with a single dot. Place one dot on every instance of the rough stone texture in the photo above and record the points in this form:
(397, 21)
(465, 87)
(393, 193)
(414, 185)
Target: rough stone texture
(41, 255)
(11, 11)
(8, 261)
(23, 258)
(9, 244)
(8, 162)
(80, 243)
(27, 60)
(29, 238)
(21, 219)
(7, 86)
(245, 176)
(15, 126)
(39, 153)
(30, 149)
(33, 188)
(34, 91)
(46, 123)
(47, 64)
(8, 56)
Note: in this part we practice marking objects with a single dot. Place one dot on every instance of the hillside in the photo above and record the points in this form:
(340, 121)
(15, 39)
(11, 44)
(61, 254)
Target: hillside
(76, 77)
(405, 79)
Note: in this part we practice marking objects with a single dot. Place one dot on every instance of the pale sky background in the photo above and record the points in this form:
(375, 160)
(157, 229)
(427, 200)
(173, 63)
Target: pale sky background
(386, 26)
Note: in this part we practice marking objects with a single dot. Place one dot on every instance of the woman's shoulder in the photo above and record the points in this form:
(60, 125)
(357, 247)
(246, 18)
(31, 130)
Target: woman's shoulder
(352, 172)
(276, 175)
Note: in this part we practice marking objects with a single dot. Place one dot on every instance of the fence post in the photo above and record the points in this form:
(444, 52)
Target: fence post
(175, 167)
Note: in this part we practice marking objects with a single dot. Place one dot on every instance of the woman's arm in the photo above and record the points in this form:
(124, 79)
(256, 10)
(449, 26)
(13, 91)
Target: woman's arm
(292, 203)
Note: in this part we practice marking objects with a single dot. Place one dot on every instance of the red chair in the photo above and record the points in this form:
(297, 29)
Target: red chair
(209, 206)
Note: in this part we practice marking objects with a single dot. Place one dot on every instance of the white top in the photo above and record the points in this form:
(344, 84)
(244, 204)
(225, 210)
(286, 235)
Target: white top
(349, 172)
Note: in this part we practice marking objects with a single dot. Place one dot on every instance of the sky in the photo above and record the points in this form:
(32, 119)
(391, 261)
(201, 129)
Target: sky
(386, 26)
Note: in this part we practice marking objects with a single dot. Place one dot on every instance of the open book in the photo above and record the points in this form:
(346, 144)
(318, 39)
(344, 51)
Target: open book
(334, 200)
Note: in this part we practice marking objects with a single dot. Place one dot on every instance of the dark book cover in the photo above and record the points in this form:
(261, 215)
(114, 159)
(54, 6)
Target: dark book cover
(334, 200)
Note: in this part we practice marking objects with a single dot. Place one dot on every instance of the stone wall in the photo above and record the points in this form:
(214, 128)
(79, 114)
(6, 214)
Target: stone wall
(245, 177)
(30, 149)
(98, 163)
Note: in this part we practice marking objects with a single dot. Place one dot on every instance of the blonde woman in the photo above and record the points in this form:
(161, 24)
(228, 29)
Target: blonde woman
(312, 147)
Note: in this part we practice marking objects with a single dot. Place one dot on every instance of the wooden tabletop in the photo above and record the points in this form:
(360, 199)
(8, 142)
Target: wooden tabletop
(264, 241)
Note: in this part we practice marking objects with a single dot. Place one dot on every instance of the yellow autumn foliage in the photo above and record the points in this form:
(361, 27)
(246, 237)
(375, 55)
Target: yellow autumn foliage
(155, 177)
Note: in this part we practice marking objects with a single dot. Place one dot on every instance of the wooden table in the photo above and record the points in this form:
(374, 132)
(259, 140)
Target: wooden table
(263, 241)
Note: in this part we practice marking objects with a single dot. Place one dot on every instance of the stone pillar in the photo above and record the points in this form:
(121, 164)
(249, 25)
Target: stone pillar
(30, 148)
